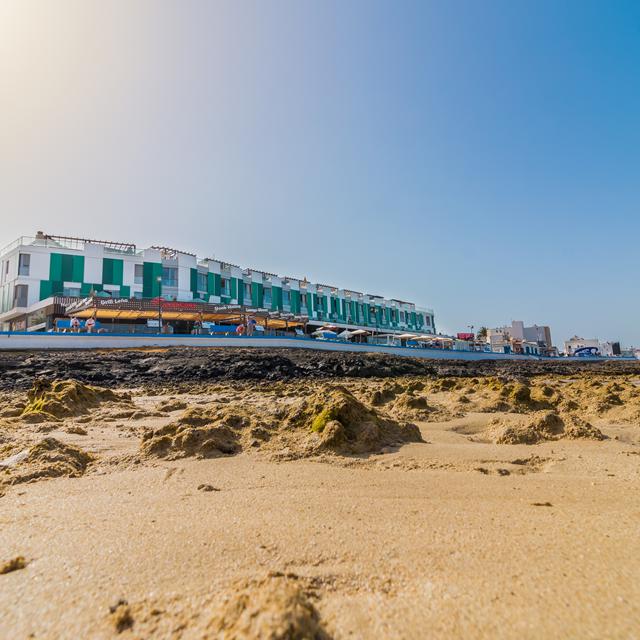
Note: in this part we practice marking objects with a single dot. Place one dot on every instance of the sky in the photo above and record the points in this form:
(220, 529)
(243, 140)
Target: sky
(478, 158)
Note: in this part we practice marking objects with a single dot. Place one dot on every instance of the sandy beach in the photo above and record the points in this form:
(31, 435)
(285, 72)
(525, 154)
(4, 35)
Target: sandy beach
(445, 503)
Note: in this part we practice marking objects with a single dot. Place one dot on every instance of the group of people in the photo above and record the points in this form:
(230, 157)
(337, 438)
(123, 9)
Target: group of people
(75, 326)
(247, 328)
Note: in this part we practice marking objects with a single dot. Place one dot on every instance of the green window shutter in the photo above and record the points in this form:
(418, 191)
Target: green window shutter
(151, 288)
(107, 271)
(118, 272)
(217, 285)
(294, 301)
(55, 267)
(85, 289)
(257, 294)
(46, 289)
(276, 298)
(125, 291)
(112, 271)
(67, 268)
(237, 287)
(77, 268)
(194, 280)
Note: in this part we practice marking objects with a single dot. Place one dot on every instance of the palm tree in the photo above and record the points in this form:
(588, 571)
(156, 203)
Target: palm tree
(482, 334)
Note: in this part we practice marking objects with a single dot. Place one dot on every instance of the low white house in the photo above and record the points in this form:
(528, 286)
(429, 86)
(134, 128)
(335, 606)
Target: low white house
(604, 348)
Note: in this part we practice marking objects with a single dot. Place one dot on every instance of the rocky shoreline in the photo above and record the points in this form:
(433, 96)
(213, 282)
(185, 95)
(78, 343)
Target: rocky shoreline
(129, 368)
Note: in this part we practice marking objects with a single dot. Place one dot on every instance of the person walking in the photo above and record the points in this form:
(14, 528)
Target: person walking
(75, 325)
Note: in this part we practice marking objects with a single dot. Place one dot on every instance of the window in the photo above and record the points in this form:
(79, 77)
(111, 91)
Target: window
(20, 295)
(225, 286)
(137, 295)
(138, 274)
(170, 277)
(202, 282)
(71, 292)
(24, 261)
(247, 291)
(303, 299)
(286, 297)
(266, 297)
(427, 320)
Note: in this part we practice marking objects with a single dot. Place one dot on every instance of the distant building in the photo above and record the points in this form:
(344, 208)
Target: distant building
(603, 348)
(520, 339)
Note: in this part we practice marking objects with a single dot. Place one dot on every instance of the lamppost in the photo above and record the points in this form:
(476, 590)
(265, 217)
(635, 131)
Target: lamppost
(159, 281)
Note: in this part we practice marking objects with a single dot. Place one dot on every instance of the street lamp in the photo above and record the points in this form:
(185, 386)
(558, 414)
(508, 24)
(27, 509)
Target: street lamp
(159, 281)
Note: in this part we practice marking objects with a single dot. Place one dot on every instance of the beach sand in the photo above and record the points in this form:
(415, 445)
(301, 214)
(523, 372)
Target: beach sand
(133, 524)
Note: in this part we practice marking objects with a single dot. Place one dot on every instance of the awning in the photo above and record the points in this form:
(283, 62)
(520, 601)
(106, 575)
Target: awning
(133, 309)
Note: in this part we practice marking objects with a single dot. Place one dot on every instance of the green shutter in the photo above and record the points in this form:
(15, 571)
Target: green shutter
(46, 289)
(194, 281)
(257, 294)
(107, 271)
(55, 267)
(125, 291)
(237, 288)
(77, 268)
(151, 271)
(112, 271)
(294, 297)
(276, 298)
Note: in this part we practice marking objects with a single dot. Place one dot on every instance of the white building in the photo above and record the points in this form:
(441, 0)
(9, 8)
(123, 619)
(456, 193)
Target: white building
(539, 335)
(603, 348)
(40, 276)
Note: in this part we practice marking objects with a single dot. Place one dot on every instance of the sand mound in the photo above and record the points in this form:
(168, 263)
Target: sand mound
(335, 420)
(537, 427)
(444, 384)
(329, 420)
(203, 432)
(51, 401)
(385, 393)
(575, 428)
(541, 426)
(411, 406)
(49, 458)
(170, 404)
(275, 608)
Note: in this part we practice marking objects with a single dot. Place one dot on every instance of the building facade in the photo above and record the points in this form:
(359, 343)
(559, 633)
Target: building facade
(529, 337)
(41, 275)
(603, 348)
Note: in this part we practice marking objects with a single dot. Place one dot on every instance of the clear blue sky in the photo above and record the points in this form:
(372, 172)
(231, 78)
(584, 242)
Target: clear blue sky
(480, 158)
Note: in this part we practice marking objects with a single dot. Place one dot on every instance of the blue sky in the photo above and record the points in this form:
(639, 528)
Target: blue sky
(480, 158)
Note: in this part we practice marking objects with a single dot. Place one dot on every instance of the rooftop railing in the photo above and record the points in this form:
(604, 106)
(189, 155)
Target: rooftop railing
(63, 242)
